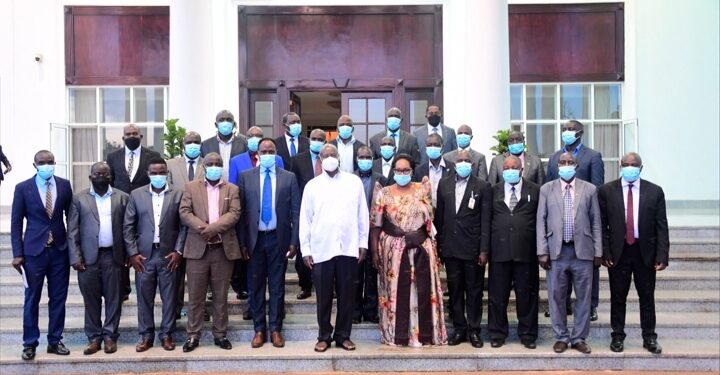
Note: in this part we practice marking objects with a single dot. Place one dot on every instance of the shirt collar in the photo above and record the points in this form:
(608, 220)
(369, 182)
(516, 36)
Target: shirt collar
(343, 144)
(188, 160)
(438, 127)
(40, 182)
(288, 137)
(391, 134)
(388, 161)
(135, 151)
(107, 194)
(220, 141)
(635, 183)
(563, 184)
(518, 186)
(577, 149)
(216, 186)
(441, 165)
(263, 170)
(167, 188)
(464, 149)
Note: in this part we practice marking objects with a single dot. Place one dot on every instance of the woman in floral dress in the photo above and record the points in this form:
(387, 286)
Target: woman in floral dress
(404, 252)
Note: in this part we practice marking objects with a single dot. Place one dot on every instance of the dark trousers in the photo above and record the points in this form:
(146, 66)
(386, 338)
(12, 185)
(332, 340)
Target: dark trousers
(305, 275)
(524, 279)
(466, 280)
(180, 283)
(214, 269)
(54, 265)
(267, 267)
(239, 280)
(125, 281)
(101, 281)
(629, 267)
(338, 273)
(157, 274)
(366, 297)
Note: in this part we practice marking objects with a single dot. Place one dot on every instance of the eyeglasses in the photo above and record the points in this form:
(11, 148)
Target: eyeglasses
(403, 172)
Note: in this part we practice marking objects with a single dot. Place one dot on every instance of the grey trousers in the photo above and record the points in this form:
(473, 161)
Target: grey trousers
(146, 283)
(563, 271)
(99, 281)
(213, 269)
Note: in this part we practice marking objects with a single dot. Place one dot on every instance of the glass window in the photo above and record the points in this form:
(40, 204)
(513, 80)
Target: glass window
(607, 139)
(612, 170)
(115, 104)
(83, 105)
(83, 143)
(540, 139)
(540, 102)
(80, 176)
(516, 102)
(376, 110)
(154, 139)
(608, 102)
(149, 104)
(111, 138)
(575, 101)
(417, 112)
(357, 110)
(263, 113)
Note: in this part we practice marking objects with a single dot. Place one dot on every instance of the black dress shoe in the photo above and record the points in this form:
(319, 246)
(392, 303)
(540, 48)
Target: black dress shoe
(547, 313)
(209, 296)
(569, 309)
(223, 343)
(247, 315)
(593, 314)
(496, 343)
(125, 297)
(58, 349)
(304, 294)
(457, 338)
(475, 340)
(356, 321)
(652, 346)
(528, 343)
(190, 344)
(28, 353)
(242, 295)
(616, 345)
(206, 316)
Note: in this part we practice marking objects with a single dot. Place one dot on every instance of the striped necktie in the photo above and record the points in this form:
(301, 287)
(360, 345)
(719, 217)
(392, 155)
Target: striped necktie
(568, 221)
(49, 208)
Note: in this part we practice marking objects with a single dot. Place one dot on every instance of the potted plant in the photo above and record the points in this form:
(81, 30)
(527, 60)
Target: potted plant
(502, 142)
(173, 138)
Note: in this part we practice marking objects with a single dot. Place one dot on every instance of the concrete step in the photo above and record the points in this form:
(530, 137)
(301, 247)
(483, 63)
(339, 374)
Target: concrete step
(698, 231)
(678, 355)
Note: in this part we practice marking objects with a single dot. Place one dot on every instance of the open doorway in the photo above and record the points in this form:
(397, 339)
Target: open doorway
(318, 110)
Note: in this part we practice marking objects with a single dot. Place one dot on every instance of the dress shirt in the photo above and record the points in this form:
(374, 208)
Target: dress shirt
(346, 153)
(42, 189)
(431, 129)
(287, 142)
(386, 166)
(366, 179)
(213, 193)
(157, 204)
(337, 226)
(225, 154)
(273, 181)
(395, 136)
(195, 165)
(435, 174)
(136, 161)
(460, 186)
(636, 202)
(313, 159)
(562, 189)
(518, 191)
(575, 152)
(104, 207)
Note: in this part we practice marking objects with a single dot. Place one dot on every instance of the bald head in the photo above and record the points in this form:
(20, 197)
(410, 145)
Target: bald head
(512, 162)
(192, 137)
(631, 159)
(464, 129)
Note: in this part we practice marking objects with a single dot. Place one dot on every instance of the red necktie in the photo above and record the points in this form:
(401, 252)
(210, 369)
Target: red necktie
(629, 218)
(318, 166)
(254, 160)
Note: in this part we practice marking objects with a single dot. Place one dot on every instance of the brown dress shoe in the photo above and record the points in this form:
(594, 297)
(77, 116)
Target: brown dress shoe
(560, 347)
(92, 348)
(321, 346)
(168, 344)
(259, 340)
(347, 345)
(144, 344)
(582, 347)
(277, 339)
(110, 346)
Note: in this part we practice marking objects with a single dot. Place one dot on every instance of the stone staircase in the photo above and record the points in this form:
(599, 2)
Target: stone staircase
(688, 325)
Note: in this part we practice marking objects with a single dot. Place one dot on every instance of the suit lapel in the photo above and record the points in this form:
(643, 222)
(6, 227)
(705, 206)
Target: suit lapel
(469, 191)
(523, 192)
(204, 200)
(641, 205)
(557, 192)
(93, 205)
(578, 193)
(166, 204)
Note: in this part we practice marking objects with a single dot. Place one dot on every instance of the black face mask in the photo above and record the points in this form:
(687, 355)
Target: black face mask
(434, 120)
(100, 183)
(132, 143)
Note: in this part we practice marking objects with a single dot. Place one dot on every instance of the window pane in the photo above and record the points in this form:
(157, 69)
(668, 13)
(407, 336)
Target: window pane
(630, 137)
(154, 139)
(361, 133)
(263, 113)
(84, 145)
(112, 139)
(80, 177)
(540, 139)
(612, 170)
(357, 110)
(149, 104)
(607, 102)
(376, 110)
(516, 103)
(540, 102)
(575, 101)
(417, 112)
(83, 106)
(606, 138)
(372, 130)
(267, 131)
(516, 127)
(115, 104)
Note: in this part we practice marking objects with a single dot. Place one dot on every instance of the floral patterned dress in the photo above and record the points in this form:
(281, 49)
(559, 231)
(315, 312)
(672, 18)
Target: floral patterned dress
(409, 290)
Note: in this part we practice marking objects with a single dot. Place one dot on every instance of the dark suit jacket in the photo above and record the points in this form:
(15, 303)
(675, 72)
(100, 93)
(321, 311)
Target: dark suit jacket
(27, 206)
(3, 160)
(374, 178)
(239, 145)
(242, 162)
(465, 234)
(84, 226)
(590, 166)
(448, 136)
(139, 223)
(287, 208)
(653, 239)
(120, 179)
(408, 145)
(303, 145)
(356, 145)
(532, 170)
(377, 169)
(303, 168)
(423, 170)
(513, 234)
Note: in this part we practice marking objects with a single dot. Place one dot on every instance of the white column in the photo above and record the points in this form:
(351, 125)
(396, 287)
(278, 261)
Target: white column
(476, 68)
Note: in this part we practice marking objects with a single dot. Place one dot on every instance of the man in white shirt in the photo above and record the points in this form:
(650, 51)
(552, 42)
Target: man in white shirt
(334, 239)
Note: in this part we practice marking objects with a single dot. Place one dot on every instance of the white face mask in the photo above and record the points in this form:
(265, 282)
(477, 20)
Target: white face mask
(330, 164)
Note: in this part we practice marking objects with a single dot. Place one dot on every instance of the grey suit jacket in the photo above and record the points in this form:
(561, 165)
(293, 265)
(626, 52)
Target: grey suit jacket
(287, 208)
(587, 233)
(177, 172)
(408, 145)
(448, 136)
(84, 226)
(479, 165)
(532, 170)
(139, 223)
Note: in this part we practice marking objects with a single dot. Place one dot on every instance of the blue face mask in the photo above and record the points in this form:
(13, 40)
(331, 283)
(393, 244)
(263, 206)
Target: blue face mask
(433, 152)
(365, 164)
(46, 171)
(316, 146)
(569, 137)
(294, 129)
(463, 169)
(630, 174)
(402, 179)
(387, 151)
(225, 127)
(253, 143)
(267, 160)
(511, 176)
(463, 140)
(516, 148)
(192, 150)
(567, 172)
(213, 173)
(393, 123)
(345, 131)
(158, 181)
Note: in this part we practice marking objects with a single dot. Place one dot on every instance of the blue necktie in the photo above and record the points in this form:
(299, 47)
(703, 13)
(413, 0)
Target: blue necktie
(293, 150)
(266, 210)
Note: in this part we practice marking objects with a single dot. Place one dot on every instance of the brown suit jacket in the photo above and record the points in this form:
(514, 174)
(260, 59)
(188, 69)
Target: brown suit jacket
(194, 213)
